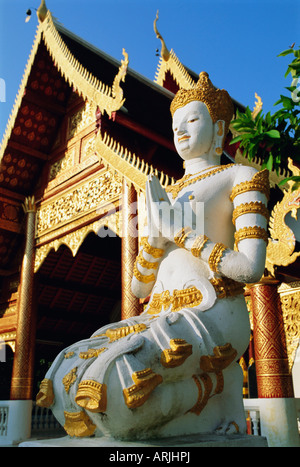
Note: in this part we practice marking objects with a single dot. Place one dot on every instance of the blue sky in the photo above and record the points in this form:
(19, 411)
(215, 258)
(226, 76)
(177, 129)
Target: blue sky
(235, 41)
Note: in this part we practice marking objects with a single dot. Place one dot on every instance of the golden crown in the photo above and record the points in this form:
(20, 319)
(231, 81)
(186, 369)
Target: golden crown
(217, 101)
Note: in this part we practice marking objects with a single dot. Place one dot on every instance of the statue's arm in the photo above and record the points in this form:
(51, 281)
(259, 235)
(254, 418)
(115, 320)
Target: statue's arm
(247, 261)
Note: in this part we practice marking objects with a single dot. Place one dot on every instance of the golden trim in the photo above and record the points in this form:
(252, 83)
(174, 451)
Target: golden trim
(259, 182)
(145, 383)
(45, 396)
(119, 333)
(216, 256)
(226, 287)
(145, 279)
(91, 88)
(178, 353)
(91, 353)
(78, 424)
(198, 245)
(181, 236)
(144, 263)
(180, 299)
(255, 207)
(221, 359)
(92, 396)
(186, 180)
(155, 252)
(202, 401)
(129, 166)
(251, 232)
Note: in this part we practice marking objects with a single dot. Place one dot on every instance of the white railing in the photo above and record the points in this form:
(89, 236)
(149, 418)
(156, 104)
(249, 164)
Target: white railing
(43, 421)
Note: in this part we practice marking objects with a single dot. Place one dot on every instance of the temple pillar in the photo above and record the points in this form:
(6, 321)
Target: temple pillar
(130, 304)
(278, 415)
(271, 360)
(23, 366)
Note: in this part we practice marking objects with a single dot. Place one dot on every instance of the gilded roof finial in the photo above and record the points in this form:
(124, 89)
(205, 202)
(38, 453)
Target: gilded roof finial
(164, 51)
(42, 11)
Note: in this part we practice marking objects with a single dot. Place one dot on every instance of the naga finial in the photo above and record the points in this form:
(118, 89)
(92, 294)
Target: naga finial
(164, 51)
(42, 11)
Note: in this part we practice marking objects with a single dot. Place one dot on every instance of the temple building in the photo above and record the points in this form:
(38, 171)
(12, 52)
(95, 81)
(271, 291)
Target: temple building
(83, 136)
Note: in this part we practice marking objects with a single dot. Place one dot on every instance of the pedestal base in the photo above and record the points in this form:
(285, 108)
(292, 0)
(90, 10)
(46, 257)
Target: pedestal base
(184, 442)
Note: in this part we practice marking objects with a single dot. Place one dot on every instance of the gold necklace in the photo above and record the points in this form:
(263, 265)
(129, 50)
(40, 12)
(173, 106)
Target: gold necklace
(185, 180)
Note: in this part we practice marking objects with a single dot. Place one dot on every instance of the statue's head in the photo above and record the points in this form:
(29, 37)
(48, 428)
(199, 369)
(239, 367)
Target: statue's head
(207, 111)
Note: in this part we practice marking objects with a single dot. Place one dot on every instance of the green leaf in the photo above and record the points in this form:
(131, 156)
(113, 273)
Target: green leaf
(285, 52)
(236, 139)
(273, 134)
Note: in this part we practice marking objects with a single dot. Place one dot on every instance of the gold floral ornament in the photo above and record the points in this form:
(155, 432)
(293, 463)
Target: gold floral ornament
(180, 299)
(217, 101)
(69, 379)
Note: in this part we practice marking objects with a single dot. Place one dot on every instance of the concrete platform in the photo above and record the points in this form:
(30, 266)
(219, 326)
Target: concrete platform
(185, 442)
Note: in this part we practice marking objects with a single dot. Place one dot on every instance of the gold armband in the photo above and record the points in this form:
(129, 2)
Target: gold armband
(215, 256)
(144, 263)
(259, 182)
(256, 207)
(141, 277)
(198, 245)
(251, 232)
(180, 238)
(155, 252)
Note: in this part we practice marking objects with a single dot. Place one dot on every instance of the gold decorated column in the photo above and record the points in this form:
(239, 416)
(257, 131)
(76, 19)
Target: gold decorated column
(22, 375)
(130, 304)
(272, 369)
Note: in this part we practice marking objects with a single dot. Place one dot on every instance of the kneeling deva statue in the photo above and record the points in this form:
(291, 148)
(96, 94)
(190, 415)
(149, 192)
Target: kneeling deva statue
(173, 370)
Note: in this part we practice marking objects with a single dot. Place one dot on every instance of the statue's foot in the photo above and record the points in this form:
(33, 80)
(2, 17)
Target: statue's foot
(145, 382)
(175, 356)
(91, 396)
(227, 429)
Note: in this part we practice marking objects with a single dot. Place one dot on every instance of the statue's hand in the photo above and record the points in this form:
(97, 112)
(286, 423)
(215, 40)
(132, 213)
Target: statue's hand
(164, 219)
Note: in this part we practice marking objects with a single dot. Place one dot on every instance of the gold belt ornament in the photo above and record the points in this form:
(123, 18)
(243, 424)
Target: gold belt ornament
(190, 297)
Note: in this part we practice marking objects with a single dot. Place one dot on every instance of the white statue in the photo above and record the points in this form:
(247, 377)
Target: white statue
(173, 370)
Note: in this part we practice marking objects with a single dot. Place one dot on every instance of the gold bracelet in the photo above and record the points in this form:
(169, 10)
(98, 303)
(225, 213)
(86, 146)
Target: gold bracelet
(198, 245)
(256, 207)
(251, 232)
(155, 252)
(215, 256)
(180, 238)
(259, 182)
(141, 277)
(144, 263)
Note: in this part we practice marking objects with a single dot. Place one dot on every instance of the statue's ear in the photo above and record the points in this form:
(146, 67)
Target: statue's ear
(219, 136)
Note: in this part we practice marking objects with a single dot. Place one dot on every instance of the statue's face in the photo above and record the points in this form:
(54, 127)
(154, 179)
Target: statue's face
(193, 130)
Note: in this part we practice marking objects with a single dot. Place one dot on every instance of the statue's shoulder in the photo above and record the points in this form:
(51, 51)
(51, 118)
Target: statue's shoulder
(243, 173)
